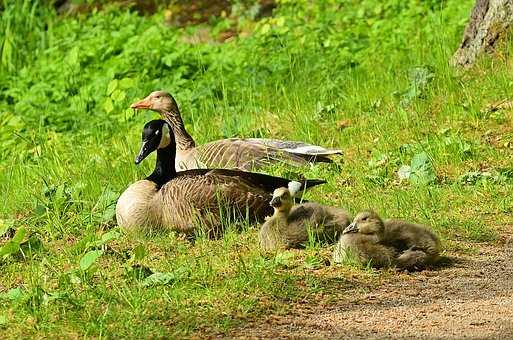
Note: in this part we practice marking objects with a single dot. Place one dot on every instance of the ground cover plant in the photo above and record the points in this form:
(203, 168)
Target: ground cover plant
(421, 140)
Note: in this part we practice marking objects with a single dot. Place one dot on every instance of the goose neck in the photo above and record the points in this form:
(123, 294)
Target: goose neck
(282, 214)
(184, 141)
(164, 165)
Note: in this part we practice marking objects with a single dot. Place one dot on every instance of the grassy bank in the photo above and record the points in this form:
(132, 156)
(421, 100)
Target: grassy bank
(370, 77)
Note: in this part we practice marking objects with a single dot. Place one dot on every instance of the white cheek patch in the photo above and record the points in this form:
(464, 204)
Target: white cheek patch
(294, 187)
(165, 140)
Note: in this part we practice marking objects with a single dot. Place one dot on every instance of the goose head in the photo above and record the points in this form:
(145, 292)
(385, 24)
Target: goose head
(159, 101)
(282, 200)
(155, 135)
(366, 222)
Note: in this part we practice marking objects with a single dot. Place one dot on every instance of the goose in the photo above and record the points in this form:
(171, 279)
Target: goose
(290, 224)
(363, 241)
(182, 201)
(238, 153)
(414, 245)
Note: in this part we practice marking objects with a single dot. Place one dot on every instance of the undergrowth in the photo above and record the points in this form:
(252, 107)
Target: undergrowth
(371, 77)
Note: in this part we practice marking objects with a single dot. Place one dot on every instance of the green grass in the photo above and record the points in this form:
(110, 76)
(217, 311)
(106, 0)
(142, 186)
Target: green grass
(68, 141)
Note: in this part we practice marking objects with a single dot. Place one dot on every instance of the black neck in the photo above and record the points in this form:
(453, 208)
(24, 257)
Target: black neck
(165, 165)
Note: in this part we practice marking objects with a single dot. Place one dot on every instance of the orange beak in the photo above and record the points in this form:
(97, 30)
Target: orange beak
(143, 104)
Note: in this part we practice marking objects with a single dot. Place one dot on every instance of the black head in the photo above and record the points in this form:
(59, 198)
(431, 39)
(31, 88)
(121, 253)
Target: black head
(155, 135)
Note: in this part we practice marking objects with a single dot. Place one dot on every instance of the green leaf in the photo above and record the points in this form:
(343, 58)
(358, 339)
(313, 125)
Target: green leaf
(9, 248)
(14, 294)
(3, 320)
(109, 236)
(113, 84)
(284, 259)
(108, 106)
(404, 172)
(20, 234)
(126, 83)
(73, 56)
(39, 210)
(5, 225)
(89, 259)
(118, 95)
(13, 246)
(139, 252)
(422, 170)
(159, 279)
(33, 244)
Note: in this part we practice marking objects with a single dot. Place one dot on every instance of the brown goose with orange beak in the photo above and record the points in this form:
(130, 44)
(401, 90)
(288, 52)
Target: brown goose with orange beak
(232, 153)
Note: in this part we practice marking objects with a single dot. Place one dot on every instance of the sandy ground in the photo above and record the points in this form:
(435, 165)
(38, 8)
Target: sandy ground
(471, 299)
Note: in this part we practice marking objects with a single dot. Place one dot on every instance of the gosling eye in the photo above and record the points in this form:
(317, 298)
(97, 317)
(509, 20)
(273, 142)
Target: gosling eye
(364, 218)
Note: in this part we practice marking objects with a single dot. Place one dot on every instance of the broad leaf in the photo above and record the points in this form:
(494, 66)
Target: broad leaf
(89, 259)
(139, 253)
(404, 172)
(5, 225)
(422, 171)
(159, 279)
(13, 246)
(113, 84)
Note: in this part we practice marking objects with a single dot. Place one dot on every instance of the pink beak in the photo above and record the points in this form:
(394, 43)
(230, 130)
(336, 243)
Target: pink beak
(143, 104)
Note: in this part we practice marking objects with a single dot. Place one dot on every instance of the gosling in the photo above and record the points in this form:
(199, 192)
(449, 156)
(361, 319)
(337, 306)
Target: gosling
(415, 245)
(290, 225)
(362, 241)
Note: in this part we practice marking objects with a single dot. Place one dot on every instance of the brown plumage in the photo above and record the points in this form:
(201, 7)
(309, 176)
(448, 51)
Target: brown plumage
(192, 199)
(363, 243)
(391, 242)
(418, 246)
(290, 224)
(233, 153)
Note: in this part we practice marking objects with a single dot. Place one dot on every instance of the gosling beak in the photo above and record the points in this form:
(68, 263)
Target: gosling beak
(275, 202)
(143, 104)
(352, 228)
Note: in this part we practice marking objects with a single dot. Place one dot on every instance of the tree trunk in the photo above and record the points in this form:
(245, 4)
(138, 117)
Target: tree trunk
(489, 20)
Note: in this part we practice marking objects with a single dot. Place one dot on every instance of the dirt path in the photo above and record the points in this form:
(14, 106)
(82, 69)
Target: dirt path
(473, 298)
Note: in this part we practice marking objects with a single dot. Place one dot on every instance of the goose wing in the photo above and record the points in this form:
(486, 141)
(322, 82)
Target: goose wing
(207, 196)
(246, 154)
(252, 179)
(296, 147)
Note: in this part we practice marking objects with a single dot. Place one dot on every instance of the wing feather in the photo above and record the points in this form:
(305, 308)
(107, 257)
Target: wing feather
(246, 154)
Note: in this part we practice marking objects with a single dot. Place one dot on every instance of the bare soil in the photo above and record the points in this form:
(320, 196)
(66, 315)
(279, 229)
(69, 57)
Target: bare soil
(470, 299)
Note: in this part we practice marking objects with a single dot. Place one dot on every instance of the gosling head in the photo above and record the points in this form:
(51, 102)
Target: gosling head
(159, 101)
(282, 200)
(366, 222)
(155, 135)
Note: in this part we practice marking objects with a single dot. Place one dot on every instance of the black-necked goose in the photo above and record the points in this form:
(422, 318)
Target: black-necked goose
(184, 200)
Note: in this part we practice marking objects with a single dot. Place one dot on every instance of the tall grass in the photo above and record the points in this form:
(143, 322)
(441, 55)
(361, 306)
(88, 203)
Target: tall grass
(68, 140)
(24, 28)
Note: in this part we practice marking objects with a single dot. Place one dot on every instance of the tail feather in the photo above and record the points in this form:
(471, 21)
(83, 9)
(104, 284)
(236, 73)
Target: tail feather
(295, 147)
(309, 183)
